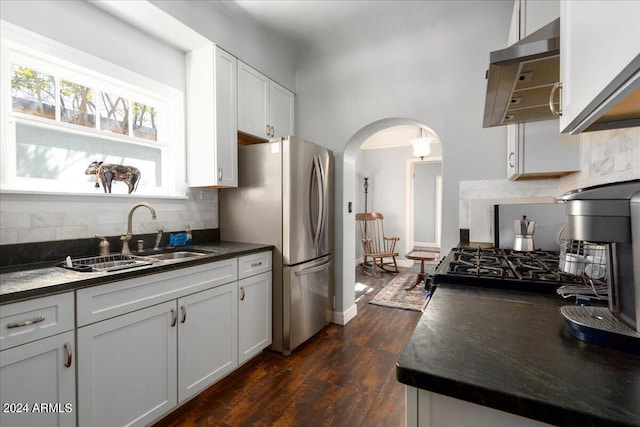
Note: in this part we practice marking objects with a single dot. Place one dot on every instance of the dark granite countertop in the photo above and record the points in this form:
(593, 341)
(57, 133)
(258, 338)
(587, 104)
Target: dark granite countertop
(510, 351)
(45, 279)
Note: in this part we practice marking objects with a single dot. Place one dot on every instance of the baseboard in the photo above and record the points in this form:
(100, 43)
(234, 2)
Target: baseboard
(342, 318)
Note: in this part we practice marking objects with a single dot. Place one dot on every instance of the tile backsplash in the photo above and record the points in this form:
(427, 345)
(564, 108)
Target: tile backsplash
(607, 156)
(26, 218)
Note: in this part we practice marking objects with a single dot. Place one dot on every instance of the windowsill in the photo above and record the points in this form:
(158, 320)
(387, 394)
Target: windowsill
(59, 195)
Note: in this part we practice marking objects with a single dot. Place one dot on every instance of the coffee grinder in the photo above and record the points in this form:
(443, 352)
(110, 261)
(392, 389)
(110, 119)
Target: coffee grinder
(610, 215)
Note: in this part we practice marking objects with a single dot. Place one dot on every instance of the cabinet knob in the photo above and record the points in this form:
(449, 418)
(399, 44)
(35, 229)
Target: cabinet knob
(556, 112)
(67, 350)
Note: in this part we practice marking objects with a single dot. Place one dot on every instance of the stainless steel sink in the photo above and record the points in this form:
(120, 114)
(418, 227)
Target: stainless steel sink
(176, 255)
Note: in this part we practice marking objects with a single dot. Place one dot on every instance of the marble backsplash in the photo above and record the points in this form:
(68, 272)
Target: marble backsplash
(38, 217)
(607, 156)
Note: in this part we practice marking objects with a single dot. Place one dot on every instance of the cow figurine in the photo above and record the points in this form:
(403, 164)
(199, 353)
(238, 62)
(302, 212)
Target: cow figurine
(109, 173)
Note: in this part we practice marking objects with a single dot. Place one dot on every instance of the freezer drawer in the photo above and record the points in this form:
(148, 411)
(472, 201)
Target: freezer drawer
(306, 300)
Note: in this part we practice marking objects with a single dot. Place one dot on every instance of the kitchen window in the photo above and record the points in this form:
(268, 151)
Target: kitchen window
(63, 109)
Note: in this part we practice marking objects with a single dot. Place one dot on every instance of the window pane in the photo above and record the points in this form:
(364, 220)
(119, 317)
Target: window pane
(114, 113)
(144, 121)
(63, 156)
(77, 104)
(33, 92)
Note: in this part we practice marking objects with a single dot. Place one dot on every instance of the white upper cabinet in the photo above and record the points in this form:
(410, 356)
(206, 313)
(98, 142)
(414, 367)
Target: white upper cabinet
(537, 149)
(599, 61)
(265, 109)
(281, 111)
(212, 120)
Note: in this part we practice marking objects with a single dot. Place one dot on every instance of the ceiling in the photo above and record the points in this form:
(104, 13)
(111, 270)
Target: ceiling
(331, 23)
(317, 23)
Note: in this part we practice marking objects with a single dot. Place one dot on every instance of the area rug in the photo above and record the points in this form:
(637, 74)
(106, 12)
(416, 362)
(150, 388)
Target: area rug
(394, 294)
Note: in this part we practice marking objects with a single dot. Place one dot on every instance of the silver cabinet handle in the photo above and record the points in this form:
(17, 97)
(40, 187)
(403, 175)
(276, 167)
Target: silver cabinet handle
(220, 174)
(174, 318)
(256, 264)
(273, 131)
(512, 155)
(268, 130)
(242, 293)
(184, 313)
(67, 349)
(25, 323)
(556, 86)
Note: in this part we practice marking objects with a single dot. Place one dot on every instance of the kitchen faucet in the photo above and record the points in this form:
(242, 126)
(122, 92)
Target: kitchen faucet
(126, 237)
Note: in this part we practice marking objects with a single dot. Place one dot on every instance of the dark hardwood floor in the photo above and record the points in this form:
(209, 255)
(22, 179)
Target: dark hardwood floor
(343, 376)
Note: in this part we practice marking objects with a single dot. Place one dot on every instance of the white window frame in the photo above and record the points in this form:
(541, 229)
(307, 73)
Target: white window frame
(29, 49)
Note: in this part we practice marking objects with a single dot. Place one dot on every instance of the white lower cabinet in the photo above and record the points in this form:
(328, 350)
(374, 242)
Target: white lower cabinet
(38, 383)
(254, 315)
(127, 367)
(427, 409)
(37, 362)
(207, 338)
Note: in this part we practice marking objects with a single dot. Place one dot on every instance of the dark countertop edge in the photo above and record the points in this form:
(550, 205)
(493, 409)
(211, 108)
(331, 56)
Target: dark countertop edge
(131, 273)
(507, 402)
(524, 407)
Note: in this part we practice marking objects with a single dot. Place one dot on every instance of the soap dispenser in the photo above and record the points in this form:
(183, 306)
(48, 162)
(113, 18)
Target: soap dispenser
(189, 241)
(103, 246)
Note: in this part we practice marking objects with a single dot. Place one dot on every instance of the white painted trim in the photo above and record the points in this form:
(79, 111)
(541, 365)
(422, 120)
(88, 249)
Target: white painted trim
(342, 318)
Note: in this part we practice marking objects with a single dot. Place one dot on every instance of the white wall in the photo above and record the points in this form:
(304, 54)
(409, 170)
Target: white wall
(431, 70)
(80, 25)
(230, 27)
(32, 217)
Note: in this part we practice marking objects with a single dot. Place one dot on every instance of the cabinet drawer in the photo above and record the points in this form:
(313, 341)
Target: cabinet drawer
(253, 264)
(31, 320)
(113, 299)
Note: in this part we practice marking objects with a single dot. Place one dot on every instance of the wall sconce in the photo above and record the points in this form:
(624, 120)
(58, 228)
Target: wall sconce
(422, 144)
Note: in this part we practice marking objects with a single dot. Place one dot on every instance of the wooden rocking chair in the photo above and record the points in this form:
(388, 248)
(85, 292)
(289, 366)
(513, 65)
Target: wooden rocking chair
(376, 245)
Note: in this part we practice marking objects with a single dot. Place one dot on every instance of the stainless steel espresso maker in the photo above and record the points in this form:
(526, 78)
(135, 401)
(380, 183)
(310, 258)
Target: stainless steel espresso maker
(609, 214)
(523, 230)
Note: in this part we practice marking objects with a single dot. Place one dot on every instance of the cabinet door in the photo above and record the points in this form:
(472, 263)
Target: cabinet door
(207, 338)
(42, 373)
(212, 118)
(226, 122)
(281, 110)
(600, 45)
(254, 315)
(253, 101)
(127, 368)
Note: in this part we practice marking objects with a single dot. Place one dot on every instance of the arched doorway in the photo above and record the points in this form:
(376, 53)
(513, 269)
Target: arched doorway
(345, 242)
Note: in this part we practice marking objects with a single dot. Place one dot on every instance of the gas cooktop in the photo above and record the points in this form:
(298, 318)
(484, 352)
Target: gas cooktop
(535, 271)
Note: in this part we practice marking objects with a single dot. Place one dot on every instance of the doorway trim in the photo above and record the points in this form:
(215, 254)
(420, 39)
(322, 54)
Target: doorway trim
(344, 305)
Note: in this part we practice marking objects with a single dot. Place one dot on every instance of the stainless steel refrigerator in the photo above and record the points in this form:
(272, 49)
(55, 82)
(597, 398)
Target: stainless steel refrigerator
(284, 198)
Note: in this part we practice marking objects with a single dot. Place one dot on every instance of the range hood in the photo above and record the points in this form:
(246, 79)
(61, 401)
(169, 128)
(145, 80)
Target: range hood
(521, 77)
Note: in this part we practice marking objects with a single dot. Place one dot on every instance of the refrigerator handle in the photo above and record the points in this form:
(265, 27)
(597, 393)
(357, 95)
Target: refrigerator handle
(310, 270)
(317, 172)
(322, 189)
